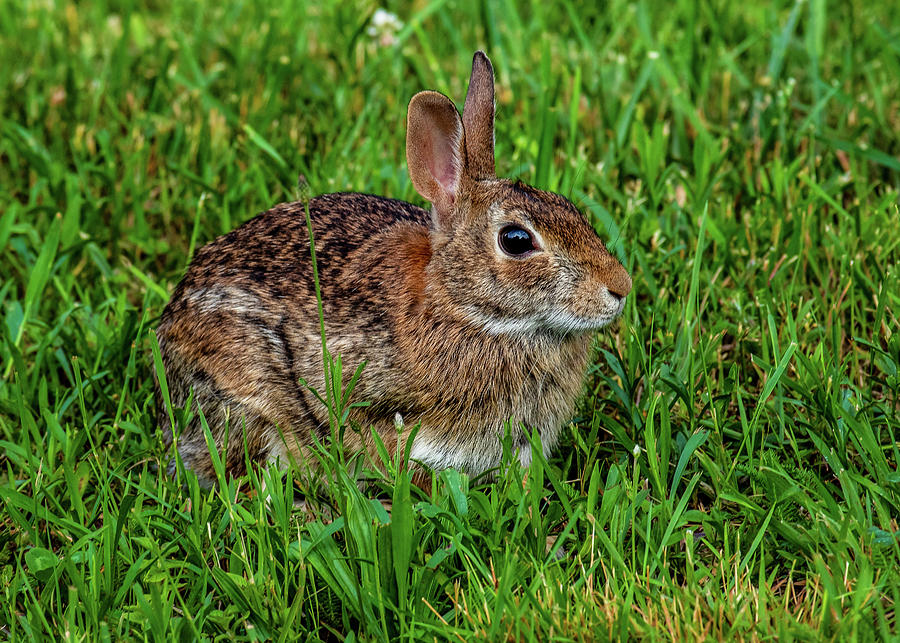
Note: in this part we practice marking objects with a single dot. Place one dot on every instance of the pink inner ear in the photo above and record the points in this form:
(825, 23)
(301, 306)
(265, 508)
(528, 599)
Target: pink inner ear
(443, 162)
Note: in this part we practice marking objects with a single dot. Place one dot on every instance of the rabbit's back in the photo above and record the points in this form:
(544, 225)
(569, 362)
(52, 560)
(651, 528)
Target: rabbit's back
(269, 255)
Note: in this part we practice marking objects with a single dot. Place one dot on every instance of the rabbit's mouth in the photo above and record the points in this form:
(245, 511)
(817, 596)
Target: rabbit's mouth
(567, 323)
(560, 322)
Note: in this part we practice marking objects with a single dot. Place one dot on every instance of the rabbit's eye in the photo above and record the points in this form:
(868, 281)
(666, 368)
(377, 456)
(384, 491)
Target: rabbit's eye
(516, 241)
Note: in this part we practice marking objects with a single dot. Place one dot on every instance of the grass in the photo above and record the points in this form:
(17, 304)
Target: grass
(731, 471)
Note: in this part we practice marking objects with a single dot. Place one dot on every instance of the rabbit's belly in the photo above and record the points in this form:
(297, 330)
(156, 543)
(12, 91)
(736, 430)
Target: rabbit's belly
(481, 452)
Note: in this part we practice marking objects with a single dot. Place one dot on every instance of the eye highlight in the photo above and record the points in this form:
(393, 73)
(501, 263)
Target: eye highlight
(515, 241)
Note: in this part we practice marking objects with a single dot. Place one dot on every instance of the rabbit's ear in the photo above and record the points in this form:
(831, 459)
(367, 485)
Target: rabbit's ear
(478, 119)
(435, 150)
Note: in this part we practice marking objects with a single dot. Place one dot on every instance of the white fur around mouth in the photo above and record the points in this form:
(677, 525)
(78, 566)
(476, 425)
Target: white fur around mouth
(568, 323)
(561, 321)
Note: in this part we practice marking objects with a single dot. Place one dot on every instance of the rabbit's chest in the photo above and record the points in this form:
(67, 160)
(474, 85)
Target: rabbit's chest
(463, 426)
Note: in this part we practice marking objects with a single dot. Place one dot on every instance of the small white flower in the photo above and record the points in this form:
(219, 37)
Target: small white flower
(384, 18)
(636, 451)
(384, 27)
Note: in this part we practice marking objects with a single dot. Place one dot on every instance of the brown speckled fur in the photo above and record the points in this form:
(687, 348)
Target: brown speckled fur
(455, 335)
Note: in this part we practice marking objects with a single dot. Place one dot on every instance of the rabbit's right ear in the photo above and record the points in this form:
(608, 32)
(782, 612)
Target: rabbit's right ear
(478, 119)
(435, 150)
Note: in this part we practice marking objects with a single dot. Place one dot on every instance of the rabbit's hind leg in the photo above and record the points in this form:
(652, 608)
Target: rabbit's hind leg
(234, 430)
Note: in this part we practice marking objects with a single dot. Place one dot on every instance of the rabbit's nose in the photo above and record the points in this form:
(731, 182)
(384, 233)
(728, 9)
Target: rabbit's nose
(620, 285)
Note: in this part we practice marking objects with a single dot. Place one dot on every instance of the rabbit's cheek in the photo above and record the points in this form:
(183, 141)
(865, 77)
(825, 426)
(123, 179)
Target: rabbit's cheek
(567, 283)
(528, 274)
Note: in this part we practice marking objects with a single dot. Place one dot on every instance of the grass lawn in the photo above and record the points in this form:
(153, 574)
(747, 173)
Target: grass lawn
(731, 471)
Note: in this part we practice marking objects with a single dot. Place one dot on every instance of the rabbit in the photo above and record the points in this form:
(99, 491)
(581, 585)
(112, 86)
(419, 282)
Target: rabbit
(472, 318)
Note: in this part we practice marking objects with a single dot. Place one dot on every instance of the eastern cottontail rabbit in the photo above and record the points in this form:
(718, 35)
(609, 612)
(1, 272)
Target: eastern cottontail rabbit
(476, 314)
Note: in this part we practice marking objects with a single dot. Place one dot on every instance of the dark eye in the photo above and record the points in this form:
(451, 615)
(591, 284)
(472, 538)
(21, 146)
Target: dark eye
(516, 241)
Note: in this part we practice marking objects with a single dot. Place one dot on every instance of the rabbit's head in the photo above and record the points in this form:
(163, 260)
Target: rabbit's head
(506, 257)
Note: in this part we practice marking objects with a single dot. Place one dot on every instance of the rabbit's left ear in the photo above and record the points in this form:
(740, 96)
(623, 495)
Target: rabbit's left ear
(434, 151)
(478, 119)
